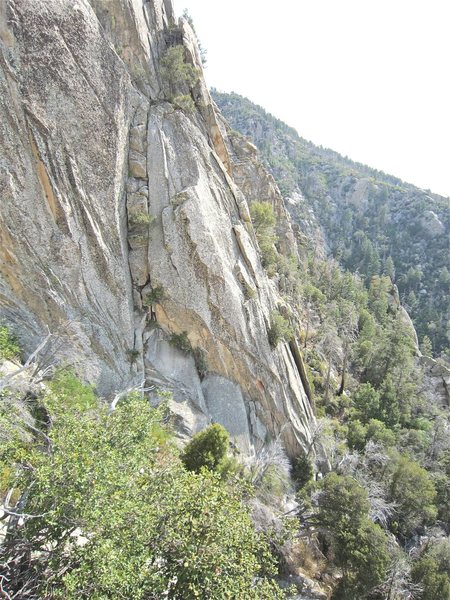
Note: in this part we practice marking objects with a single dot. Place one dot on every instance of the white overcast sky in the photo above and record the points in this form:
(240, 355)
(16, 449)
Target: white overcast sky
(368, 78)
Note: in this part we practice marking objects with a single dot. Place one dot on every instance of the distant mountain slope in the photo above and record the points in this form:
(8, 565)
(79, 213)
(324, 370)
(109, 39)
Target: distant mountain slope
(373, 222)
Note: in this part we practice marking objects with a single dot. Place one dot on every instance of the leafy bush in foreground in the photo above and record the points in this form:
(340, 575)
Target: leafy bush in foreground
(110, 512)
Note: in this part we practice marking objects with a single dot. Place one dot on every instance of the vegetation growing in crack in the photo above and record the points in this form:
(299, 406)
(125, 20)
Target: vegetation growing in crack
(140, 218)
(279, 330)
(263, 219)
(133, 355)
(178, 78)
(182, 342)
(249, 292)
(156, 296)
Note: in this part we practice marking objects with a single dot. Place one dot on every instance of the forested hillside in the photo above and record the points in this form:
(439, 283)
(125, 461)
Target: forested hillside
(374, 223)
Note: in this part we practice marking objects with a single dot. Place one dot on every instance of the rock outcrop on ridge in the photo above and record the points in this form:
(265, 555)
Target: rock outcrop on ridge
(124, 220)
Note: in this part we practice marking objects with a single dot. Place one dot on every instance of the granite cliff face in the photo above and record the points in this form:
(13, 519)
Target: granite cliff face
(124, 220)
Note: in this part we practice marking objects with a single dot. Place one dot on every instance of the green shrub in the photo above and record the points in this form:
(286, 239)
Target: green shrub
(378, 432)
(138, 240)
(274, 484)
(119, 516)
(263, 217)
(249, 292)
(181, 341)
(414, 494)
(441, 482)
(8, 346)
(434, 583)
(363, 555)
(177, 76)
(359, 546)
(140, 218)
(356, 436)
(279, 329)
(200, 362)
(264, 221)
(367, 402)
(342, 503)
(302, 471)
(269, 255)
(184, 102)
(133, 355)
(154, 297)
(208, 448)
(66, 391)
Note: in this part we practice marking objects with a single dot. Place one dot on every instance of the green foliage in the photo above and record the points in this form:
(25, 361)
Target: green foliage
(68, 393)
(178, 77)
(201, 363)
(264, 221)
(426, 347)
(378, 432)
(375, 430)
(279, 329)
(15, 436)
(140, 218)
(435, 583)
(342, 503)
(302, 471)
(363, 554)
(313, 294)
(133, 355)
(359, 546)
(413, 491)
(357, 435)
(367, 402)
(268, 254)
(441, 482)
(115, 514)
(263, 217)
(207, 449)
(389, 267)
(184, 102)
(384, 352)
(138, 240)
(181, 341)
(249, 292)
(274, 485)
(156, 296)
(9, 347)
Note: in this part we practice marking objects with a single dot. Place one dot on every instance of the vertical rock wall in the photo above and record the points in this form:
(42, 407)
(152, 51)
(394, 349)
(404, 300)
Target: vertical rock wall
(122, 215)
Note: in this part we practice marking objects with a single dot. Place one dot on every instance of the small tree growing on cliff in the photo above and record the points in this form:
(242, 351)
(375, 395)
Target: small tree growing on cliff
(178, 77)
(279, 329)
(264, 221)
